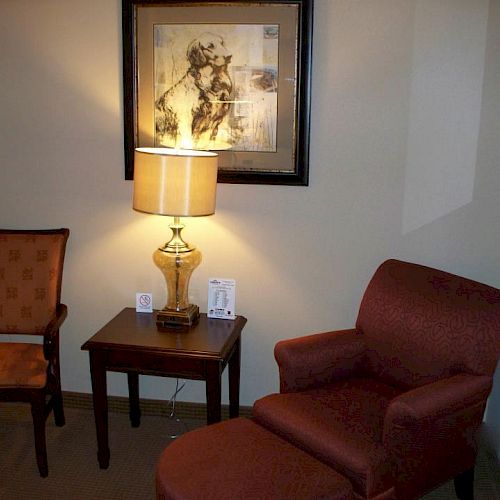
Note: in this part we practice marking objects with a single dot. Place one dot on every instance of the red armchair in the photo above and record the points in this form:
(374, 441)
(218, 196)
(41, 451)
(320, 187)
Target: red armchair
(395, 403)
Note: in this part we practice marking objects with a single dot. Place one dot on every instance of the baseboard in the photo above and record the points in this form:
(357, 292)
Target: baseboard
(155, 407)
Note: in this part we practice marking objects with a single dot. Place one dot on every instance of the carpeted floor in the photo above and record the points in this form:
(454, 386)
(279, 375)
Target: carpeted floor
(74, 473)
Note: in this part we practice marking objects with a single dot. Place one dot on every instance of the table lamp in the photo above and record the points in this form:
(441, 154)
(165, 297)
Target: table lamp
(179, 183)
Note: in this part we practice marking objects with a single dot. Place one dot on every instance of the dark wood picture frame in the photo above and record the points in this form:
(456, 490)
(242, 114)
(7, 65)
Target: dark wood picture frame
(288, 163)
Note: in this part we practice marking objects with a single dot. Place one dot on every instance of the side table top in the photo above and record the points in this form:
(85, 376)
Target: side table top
(130, 330)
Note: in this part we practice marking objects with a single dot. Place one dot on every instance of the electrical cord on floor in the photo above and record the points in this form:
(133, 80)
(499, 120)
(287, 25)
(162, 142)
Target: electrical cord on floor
(172, 401)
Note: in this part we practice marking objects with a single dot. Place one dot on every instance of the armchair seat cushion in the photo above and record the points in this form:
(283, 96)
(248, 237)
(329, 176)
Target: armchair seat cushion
(22, 366)
(341, 424)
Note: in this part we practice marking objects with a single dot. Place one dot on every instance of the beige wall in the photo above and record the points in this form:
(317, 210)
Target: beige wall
(381, 185)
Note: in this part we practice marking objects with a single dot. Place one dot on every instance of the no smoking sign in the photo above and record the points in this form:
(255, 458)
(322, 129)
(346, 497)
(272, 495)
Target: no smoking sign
(144, 302)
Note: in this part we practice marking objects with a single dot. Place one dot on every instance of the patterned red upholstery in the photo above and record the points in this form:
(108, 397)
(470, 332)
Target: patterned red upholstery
(340, 423)
(31, 266)
(30, 270)
(22, 365)
(421, 324)
(239, 460)
(394, 404)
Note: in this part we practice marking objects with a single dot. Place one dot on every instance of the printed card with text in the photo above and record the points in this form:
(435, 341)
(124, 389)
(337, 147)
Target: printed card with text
(221, 298)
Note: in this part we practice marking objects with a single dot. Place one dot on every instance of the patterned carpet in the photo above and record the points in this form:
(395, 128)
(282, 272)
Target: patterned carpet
(74, 473)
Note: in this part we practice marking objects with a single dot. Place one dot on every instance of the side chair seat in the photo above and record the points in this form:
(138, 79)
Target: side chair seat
(22, 366)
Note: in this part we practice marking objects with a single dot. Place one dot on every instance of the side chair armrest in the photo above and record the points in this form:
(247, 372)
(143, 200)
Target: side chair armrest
(314, 360)
(51, 333)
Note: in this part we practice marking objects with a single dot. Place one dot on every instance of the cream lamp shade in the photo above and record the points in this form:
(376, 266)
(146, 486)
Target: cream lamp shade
(179, 183)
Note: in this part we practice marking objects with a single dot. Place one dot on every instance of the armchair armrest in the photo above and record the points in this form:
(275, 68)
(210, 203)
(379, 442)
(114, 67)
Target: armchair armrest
(426, 426)
(315, 360)
(437, 400)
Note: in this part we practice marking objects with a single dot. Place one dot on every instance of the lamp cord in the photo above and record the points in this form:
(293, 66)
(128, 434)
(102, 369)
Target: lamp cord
(173, 398)
(171, 402)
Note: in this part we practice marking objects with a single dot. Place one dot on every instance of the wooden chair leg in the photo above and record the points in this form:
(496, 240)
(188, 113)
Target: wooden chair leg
(464, 485)
(38, 414)
(55, 389)
(58, 408)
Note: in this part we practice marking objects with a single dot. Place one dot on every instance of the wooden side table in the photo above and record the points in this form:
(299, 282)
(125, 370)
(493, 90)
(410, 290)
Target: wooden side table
(131, 343)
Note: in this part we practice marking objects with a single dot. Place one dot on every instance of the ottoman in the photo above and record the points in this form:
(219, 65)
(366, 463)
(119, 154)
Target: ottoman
(240, 460)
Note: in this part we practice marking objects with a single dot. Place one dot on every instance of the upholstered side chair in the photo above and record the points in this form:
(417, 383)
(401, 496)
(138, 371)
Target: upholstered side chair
(394, 404)
(31, 267)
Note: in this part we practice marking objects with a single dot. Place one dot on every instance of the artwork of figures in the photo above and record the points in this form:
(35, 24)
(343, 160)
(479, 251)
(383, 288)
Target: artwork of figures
(216, 86)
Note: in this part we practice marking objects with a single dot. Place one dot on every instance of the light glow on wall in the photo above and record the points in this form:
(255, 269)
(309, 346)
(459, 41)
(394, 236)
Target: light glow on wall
(445, 105)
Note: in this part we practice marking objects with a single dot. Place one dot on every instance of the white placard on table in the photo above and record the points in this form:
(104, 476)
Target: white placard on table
(221, 298)
(144, 302)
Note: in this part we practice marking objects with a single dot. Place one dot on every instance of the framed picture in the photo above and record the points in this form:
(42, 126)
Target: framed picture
(232, 77)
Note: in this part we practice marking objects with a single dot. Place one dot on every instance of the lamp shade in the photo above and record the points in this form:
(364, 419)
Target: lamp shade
(179, 183)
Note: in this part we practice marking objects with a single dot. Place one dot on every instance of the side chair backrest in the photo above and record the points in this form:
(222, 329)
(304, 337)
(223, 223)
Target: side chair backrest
(422, 324)
(31, 264)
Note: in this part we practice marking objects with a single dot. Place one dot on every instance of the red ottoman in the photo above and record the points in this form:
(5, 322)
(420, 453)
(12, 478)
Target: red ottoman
(240, 460)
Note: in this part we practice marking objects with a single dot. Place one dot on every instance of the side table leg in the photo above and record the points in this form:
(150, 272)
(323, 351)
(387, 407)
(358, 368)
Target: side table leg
(133, 399)
(213, 390)
(100, 399)
(234, 380)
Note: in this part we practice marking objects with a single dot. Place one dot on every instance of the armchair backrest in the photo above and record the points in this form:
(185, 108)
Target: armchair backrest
(422, 324)
(31, 264)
